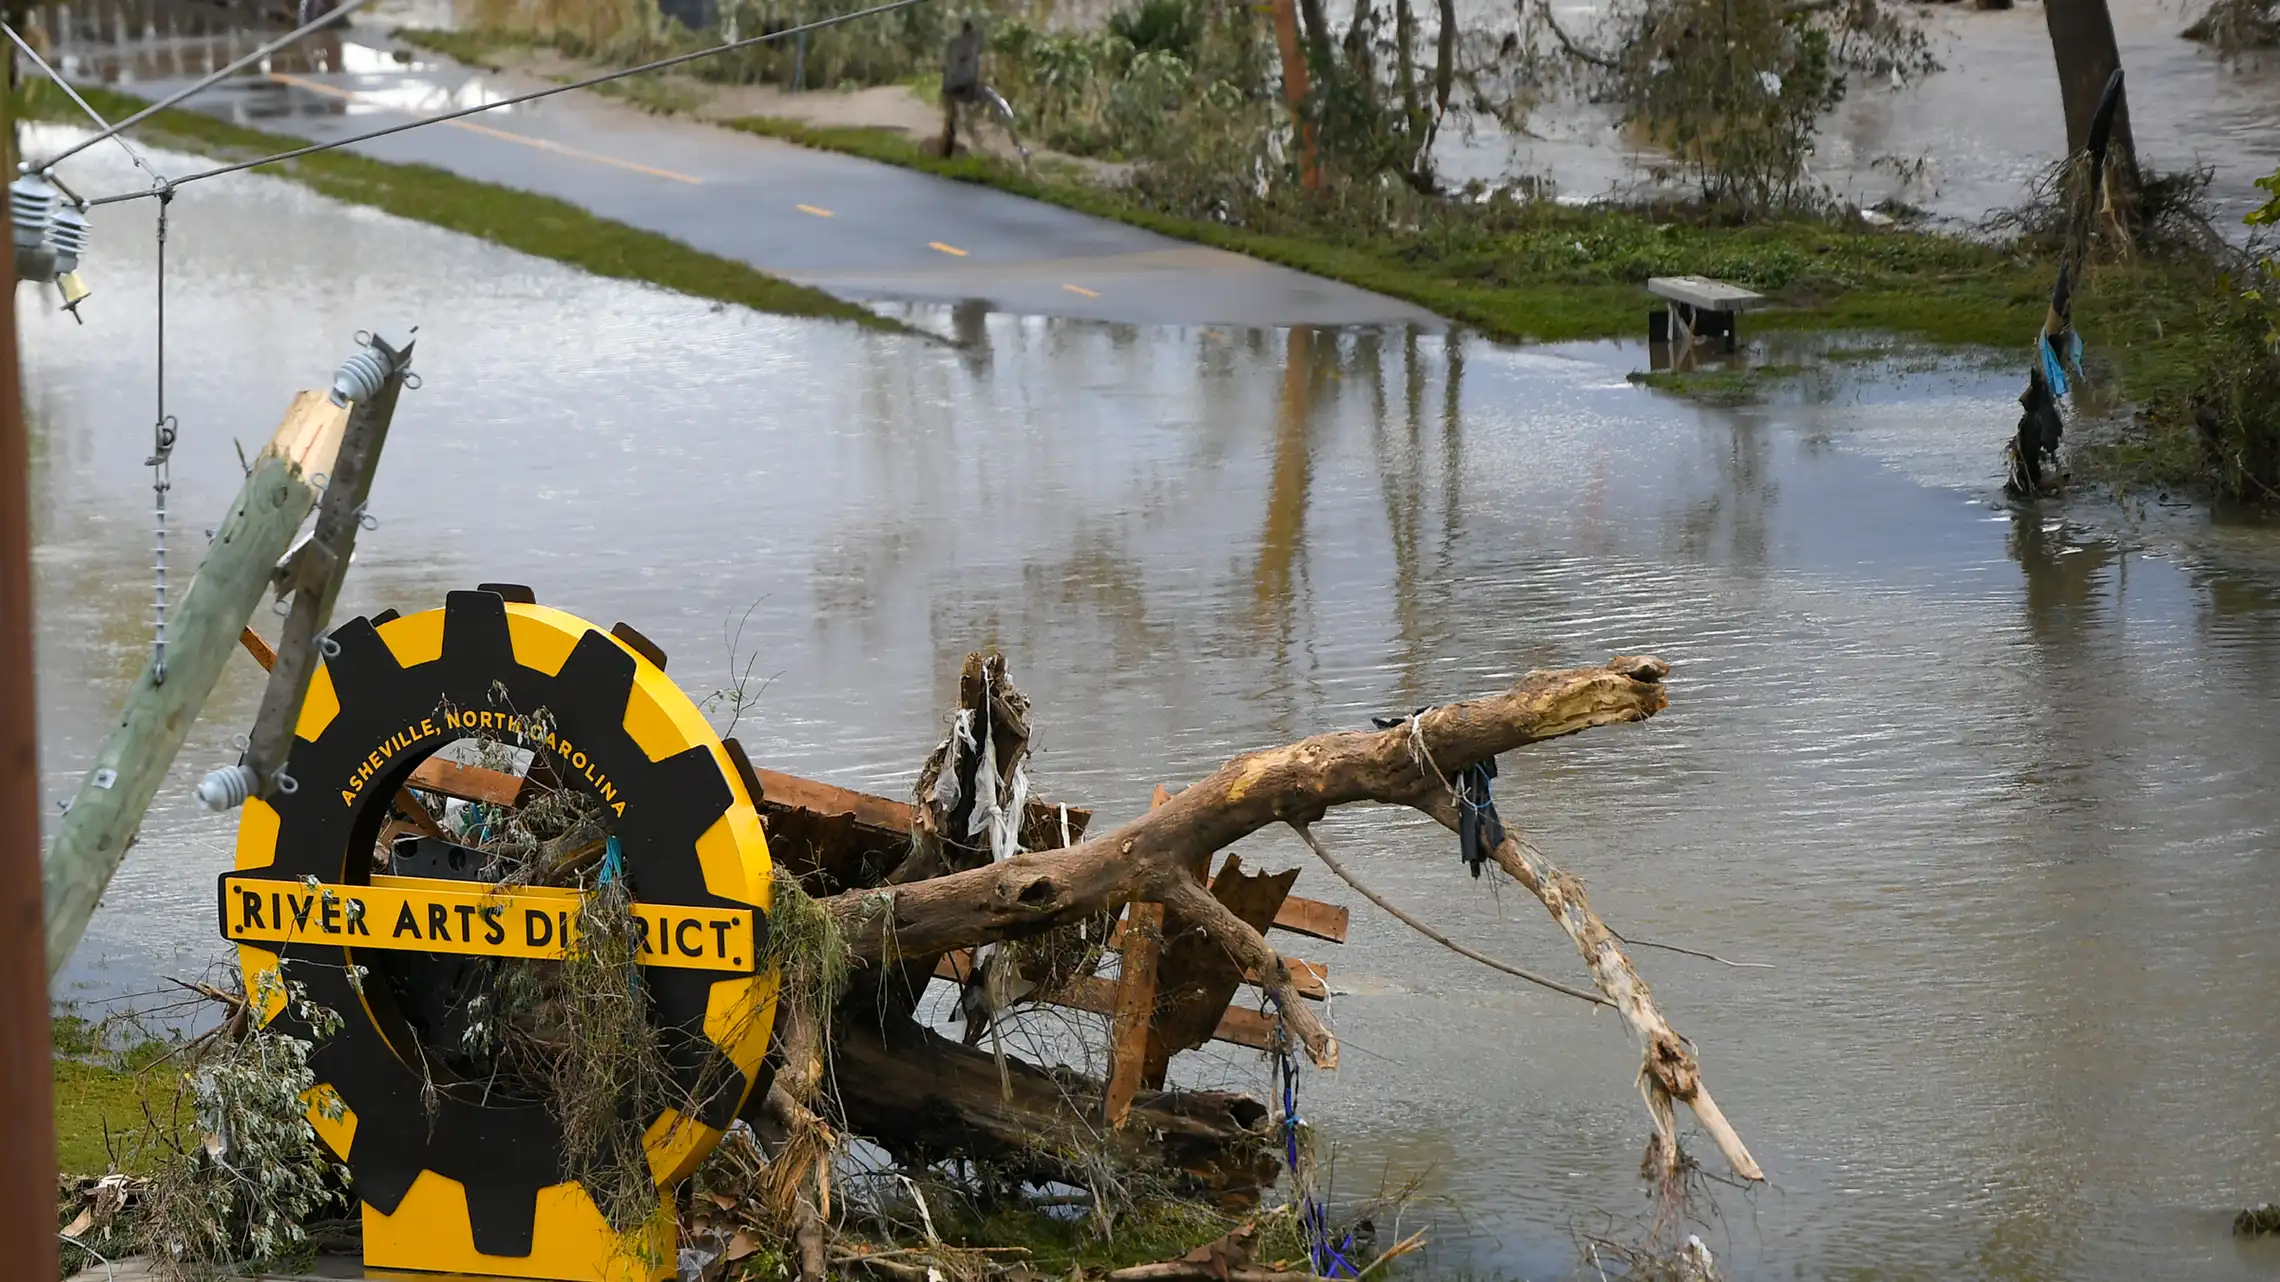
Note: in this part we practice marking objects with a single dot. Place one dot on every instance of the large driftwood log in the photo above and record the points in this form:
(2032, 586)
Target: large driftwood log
(921, 1096)
(1149, 858)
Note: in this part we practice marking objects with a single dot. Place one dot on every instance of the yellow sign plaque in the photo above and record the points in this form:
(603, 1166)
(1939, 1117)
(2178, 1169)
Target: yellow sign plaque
(419, 914)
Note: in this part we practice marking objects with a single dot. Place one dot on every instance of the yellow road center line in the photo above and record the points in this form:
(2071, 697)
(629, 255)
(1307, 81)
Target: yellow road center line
(487, 131)
(951, 250)
(810, 209)
(1079, 289)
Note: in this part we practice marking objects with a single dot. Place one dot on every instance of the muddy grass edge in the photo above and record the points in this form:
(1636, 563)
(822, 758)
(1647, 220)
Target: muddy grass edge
(529, 223)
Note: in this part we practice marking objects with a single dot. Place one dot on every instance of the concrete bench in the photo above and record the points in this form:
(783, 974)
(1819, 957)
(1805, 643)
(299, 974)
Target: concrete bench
(1697, 308)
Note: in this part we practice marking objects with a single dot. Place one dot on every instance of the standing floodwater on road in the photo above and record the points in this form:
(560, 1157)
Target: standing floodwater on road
(1989, 791)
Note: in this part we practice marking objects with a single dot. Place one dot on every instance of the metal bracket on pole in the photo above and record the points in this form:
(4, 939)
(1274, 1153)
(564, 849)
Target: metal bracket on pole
(369, 382)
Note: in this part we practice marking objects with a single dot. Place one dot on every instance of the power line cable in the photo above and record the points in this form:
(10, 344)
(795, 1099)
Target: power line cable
(261, 51)
(517, 100)
(84, 105)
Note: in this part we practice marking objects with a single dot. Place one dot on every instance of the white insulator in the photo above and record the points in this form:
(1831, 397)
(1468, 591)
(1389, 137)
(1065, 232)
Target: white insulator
(67, 236)
(226, 788)
(359, 377)
(31, 206)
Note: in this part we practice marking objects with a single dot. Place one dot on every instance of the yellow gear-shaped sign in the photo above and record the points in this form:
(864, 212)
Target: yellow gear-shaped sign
(454, 1177)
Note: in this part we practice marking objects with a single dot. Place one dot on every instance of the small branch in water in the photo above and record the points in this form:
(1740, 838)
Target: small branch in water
(1690, 952)
(1437, 937)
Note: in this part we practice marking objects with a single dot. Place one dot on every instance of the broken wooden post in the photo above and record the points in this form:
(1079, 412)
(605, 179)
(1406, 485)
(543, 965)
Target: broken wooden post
(370, 380)
(103, 818)
(422, 821)
(1143, 938)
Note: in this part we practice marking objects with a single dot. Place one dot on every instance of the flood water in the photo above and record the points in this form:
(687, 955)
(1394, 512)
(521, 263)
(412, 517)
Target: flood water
(1972, 136)
(1990, 790)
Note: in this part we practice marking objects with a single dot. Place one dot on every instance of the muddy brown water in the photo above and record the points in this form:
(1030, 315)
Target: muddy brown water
(1990, 790)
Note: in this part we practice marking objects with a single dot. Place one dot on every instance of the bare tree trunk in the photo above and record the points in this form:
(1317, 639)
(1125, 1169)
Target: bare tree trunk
(2082, 42)
(1445, 61)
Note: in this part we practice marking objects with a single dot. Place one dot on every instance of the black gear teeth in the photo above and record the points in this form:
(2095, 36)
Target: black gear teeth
(476, 640)
(502, 1154)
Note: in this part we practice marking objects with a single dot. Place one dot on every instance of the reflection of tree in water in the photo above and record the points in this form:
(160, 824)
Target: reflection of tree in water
(1729, 525)
(2240, 620)
(1098, 589)
(2066, 581)
(1273, 579)
(1421, 595)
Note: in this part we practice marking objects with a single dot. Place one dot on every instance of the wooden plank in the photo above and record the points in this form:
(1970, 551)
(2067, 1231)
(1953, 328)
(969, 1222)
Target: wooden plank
(794, 793)
(1129, 1039)
(1312, 979)
(1196, 978)
(1313, 918)
(468, 783)
(1132, 1034)
(1245, 1027)
(1703, 293)
(1040, 821)
(1239, 1025)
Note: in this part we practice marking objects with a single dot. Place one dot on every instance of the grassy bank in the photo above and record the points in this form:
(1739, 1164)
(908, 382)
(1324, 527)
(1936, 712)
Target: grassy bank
(1546, 272)
(101, 1090)
(540, 226)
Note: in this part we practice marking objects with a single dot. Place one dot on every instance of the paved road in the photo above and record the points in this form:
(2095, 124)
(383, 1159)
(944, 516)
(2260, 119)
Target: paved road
(861, 230)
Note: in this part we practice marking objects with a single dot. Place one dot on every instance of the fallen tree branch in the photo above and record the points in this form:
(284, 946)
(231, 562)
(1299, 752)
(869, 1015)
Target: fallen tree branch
(1691, 952)
(1254, 956)
(1147, 858)
(1669, 1070)
(1315, 844)
(1574, 49)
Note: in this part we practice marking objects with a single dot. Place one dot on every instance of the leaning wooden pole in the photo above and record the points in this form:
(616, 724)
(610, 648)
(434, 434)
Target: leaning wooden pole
(315, 575)
(27, 1140)
(92, 838)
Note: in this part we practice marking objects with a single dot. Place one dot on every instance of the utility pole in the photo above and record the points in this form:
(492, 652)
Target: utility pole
(370, 381)
(92, 838)
(27, 1072)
